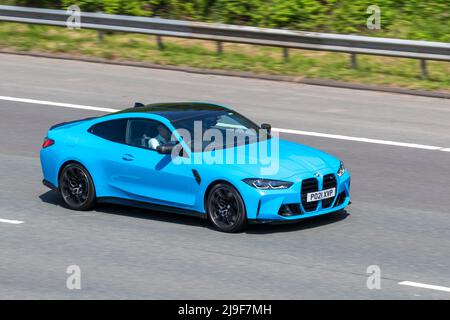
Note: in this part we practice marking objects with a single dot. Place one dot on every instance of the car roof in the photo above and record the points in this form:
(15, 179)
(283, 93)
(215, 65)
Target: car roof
(174, 111)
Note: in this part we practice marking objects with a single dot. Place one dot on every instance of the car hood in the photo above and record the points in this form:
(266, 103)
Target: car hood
(294, 159)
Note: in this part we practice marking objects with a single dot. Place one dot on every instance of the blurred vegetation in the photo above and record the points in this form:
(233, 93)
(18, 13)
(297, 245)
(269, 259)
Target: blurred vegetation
(410, 19)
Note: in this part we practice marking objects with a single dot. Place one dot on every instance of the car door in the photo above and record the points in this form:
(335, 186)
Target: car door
(146, 175)
(107, 146)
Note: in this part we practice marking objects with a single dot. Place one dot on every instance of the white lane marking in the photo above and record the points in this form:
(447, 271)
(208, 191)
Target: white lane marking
(11, 221)
(423, 285)
(57, 104)
(290, 131)
(367, 140)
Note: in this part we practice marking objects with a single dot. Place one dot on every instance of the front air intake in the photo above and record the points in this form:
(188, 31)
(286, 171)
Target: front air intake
(329, 181)
(309, 185)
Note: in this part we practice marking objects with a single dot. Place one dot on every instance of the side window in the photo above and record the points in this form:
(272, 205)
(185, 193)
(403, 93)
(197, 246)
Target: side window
(113, 130)
(146, 133)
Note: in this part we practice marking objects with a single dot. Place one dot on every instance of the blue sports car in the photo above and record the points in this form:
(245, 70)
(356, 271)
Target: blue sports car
(194, 158)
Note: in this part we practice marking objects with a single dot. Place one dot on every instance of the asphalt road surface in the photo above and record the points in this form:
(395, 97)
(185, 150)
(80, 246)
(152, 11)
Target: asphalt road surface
(399, 219)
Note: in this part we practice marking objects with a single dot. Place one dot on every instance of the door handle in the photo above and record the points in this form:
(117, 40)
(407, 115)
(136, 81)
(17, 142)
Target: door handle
(127, 157)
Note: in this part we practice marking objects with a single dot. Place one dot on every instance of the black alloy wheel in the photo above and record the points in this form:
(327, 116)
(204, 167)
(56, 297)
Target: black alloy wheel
(226, 209)
(77, 187)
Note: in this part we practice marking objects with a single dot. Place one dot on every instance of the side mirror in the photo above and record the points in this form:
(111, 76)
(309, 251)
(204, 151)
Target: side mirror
(166, 148)
(267, 127)
(138, 105)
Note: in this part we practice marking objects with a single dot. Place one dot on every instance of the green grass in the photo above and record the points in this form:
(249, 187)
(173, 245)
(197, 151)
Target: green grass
(202, 54)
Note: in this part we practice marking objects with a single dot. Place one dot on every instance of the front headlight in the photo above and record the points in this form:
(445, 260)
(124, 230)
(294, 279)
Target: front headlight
(341, 170)
(267, 184)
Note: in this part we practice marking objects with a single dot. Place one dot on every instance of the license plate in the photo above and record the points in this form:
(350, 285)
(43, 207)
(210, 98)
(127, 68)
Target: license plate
(320, 195)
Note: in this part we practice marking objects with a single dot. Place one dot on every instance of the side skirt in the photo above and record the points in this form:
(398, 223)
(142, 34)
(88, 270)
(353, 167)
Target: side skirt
(50, 185)
(151, 206)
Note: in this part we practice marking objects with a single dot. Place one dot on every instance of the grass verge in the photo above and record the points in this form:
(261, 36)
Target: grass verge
(385, 71)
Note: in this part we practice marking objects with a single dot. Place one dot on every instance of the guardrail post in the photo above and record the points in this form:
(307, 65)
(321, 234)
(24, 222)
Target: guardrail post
(423, 69)
(353, 61)
(159, 42)
(286, 54)
(219, 47)
(100, 35)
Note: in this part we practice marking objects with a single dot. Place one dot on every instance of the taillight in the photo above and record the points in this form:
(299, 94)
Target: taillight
(48, 142)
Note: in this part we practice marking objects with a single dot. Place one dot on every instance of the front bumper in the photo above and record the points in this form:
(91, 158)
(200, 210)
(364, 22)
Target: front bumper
(286, 205)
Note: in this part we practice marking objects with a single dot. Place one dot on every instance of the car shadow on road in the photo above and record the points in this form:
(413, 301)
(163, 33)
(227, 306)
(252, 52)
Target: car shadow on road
(54, 198)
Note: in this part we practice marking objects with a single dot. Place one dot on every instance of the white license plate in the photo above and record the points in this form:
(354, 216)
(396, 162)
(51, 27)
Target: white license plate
(320, 195)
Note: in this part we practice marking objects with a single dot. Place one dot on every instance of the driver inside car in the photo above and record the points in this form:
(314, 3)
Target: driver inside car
(162, 137)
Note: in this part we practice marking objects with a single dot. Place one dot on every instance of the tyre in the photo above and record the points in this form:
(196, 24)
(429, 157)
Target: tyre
(226, 209)
(77, 187)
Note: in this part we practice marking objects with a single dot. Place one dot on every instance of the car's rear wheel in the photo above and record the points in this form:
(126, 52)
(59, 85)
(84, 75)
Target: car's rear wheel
(77, 187)
(226, 209)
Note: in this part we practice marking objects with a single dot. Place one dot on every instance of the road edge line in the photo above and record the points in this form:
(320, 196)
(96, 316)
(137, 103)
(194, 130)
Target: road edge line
(11, 221)
(288, 131)
(424, 286)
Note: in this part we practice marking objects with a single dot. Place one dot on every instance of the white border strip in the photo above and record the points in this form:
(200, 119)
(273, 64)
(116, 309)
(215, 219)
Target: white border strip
(423, 285)
(289, 131)
(11, 221)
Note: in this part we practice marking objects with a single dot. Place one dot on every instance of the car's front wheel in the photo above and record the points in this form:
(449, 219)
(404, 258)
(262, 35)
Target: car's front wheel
(226, 209)
(77, 187)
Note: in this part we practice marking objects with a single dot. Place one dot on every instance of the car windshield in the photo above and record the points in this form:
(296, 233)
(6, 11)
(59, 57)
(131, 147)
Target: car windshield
(218, 129)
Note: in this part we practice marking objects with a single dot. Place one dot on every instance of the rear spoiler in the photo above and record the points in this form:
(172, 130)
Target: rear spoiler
(70, 122)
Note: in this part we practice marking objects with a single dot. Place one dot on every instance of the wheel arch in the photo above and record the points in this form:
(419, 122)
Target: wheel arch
(66, 163)
(214, 183)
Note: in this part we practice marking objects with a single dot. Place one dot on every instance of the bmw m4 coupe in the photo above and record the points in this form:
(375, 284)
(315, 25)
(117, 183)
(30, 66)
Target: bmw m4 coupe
(193, 158)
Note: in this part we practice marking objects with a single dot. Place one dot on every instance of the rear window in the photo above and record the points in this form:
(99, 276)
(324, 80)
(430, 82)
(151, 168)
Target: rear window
(113, 130)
